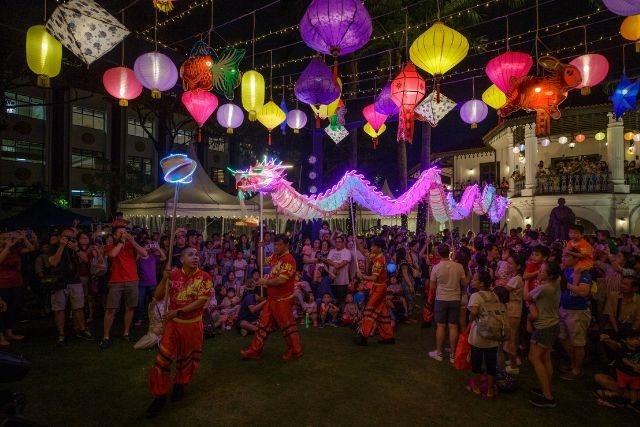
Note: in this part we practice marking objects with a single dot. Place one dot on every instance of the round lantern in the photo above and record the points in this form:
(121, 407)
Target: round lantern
(374, 134)
(473, 112)
(316, 85)
(630, 30)
(636, 137)
(545, 142)
(563, 140)
(312, 175)
(438, 50)
(156, 71)
(628, 136)
(580, 137)
(200, 104)
(494, 97)
(407, 90)
(600, 136)
(593, 68)
(44, 54)
(230, 116)
(507, 65)
(375, 119)
(121, 83)
(336, 27)
(270, 115)
(252, 89)
(296, 120)
(623, 7)
(515, 150)
(522, 148)
(384, 103)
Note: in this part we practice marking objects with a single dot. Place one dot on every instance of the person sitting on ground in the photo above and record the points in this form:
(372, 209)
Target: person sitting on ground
(310, 309)
(350, 313)
(622, 309)
(624, 388)
(328, 311)
(249, 313)
(229, 309)
(399, 301)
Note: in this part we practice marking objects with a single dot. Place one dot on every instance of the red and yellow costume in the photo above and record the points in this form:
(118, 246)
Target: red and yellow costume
(376, 312)
(278, 311)
(182, 338)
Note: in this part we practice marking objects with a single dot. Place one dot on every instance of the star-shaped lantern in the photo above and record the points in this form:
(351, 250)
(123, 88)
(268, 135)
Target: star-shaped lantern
(624, 97)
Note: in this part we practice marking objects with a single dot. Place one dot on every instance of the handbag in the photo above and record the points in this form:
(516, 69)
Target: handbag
(462, 360)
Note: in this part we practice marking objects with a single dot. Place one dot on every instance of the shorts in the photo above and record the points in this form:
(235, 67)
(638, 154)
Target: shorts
(447, 312)
(574, 325)
(117, 290)
(488, 355)
(73, 292)
(545, 337)
(626, 381)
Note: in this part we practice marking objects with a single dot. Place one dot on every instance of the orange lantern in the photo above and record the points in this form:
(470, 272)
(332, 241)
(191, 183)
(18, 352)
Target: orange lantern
(630, 30)
(580, 137)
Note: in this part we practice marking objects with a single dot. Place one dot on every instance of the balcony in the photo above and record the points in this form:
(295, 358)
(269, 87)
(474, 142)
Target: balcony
(597, 182)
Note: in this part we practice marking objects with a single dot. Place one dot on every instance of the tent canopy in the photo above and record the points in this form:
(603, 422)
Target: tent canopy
(43, 213)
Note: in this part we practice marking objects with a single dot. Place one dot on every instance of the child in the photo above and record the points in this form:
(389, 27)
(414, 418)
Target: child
(504, 272)
(350, 313)
(399, 301)
(538, 257)
(360, 297)
(328, 311)
(229, 309)
(310, 308)
(579, 247)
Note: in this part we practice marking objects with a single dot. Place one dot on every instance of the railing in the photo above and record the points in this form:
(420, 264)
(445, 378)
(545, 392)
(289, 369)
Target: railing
(573, 183)
(518, 186)
(633, 181)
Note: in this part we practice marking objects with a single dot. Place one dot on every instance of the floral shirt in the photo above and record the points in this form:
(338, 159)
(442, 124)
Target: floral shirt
(185, 289)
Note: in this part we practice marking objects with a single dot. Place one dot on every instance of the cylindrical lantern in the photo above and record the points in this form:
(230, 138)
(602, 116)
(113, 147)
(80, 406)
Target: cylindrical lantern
(156, 72)
(121, 83)
(494, 97)
(316, 85)
(384, 103)
(270, 115)
(407, 90)
(296, 120)
(623, 7)
(593, 68)
(230, 116)
(375, 119)
(473, 112)
(374, 134)
(200, 104)
(252, 89)
(507, 65)
(44, 54)
(630, 30)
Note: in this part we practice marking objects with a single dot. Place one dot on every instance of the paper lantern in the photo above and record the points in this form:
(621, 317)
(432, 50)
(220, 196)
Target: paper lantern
(156, 72)
(225, 71)
(178, 168)
(438, 50)
(545, 142)
(316, 85)
(580, 137)
(196, 70)
(473, 112)
(121, 83)
(432, 110)
(572, 144)
(375, 119)
(515, 150)
(44, 54)
(623, 7)
(252, 89)
(325, 111)
(86, 29)
(384, 103)
(296, 120)
(407, 90)
(630, 30)
(494, 97)
(636, 137)
(230, 116)
(200, 104)
(164, 6)
(336, 132)
(593, 69)
(600, 136)
(563, 140)
(624, 98)
(270, 115)
(374, 134)
(628, 136)
(336, 27)
(506, 66)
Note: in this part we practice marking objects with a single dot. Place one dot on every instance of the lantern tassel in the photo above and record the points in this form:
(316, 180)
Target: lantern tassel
(43, 81)
(230, 131)
(199, 134)
(269, 140)
(318, 122)
(375, 143)
(585, 91)
(638, 46)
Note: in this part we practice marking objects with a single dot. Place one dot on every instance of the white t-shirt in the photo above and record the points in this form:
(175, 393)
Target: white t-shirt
(342, 274)
(476, 300)
(447, 275)
(239, 267)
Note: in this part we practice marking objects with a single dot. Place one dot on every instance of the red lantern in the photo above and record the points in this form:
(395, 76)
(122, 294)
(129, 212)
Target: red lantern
(121, 83)
(407, 90)
(201, 105)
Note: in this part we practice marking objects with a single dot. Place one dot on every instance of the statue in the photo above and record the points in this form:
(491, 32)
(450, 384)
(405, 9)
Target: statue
(559, 221)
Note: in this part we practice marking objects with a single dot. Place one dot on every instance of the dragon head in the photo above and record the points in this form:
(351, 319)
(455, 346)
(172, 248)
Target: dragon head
(263, 177)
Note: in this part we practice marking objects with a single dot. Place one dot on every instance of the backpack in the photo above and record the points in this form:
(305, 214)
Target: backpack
(492, 320)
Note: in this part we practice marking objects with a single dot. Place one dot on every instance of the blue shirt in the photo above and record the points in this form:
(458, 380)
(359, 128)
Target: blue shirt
(568, 299)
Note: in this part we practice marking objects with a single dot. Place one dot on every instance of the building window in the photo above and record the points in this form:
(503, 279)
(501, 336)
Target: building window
(22, 151)
(183, 136)
(88, 117)
(217, 144)
(135, 128)
(87, 159)
(217, 175)
(140, 164)
(82, 199)
(22, 105)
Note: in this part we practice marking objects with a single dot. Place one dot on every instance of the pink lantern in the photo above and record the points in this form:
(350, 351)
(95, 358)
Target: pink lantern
(201, 105)
(121, 83)
(156, 71)
(504, 67)
(473, 112)
(593, 68)
(230, 116)
(407, 90)
(375, 119)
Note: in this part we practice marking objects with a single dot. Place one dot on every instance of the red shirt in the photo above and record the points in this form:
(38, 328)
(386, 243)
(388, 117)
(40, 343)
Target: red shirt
(532, 267)
(10, 270)
(123, 267)
(379, 269)
(185, 289)
(282, 266)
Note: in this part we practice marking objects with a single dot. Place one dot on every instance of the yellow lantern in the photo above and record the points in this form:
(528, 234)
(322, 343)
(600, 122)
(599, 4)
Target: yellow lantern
(494, 97)
(628, 136)
(326, 111)
(438, 50)
(44, 54)
(252, 93)
(600, 136)
(271, 116)
(630, 30)
(369, 130)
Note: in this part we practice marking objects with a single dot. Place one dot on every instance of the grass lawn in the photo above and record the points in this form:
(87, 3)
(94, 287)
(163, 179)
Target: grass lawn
(336, 383)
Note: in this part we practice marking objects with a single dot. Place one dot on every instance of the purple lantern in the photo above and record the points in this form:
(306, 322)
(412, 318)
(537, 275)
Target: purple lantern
(336, 27)
(230, 116)
(473, 112)
(623, 7)
(156, 71)
(316, 85)
(384, 103)
(296, 119)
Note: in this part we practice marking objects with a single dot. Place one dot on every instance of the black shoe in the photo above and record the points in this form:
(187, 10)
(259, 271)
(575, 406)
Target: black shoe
(542, 402)
(156, 406)
(84, 335)
(127, 337)
(178, 393)
(362, 341)
(536, 391)
(388, 341)
(104, 344)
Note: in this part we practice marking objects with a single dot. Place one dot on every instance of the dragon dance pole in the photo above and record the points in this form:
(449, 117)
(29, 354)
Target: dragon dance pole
(261, 245)
(172, 239)
(353, 230)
